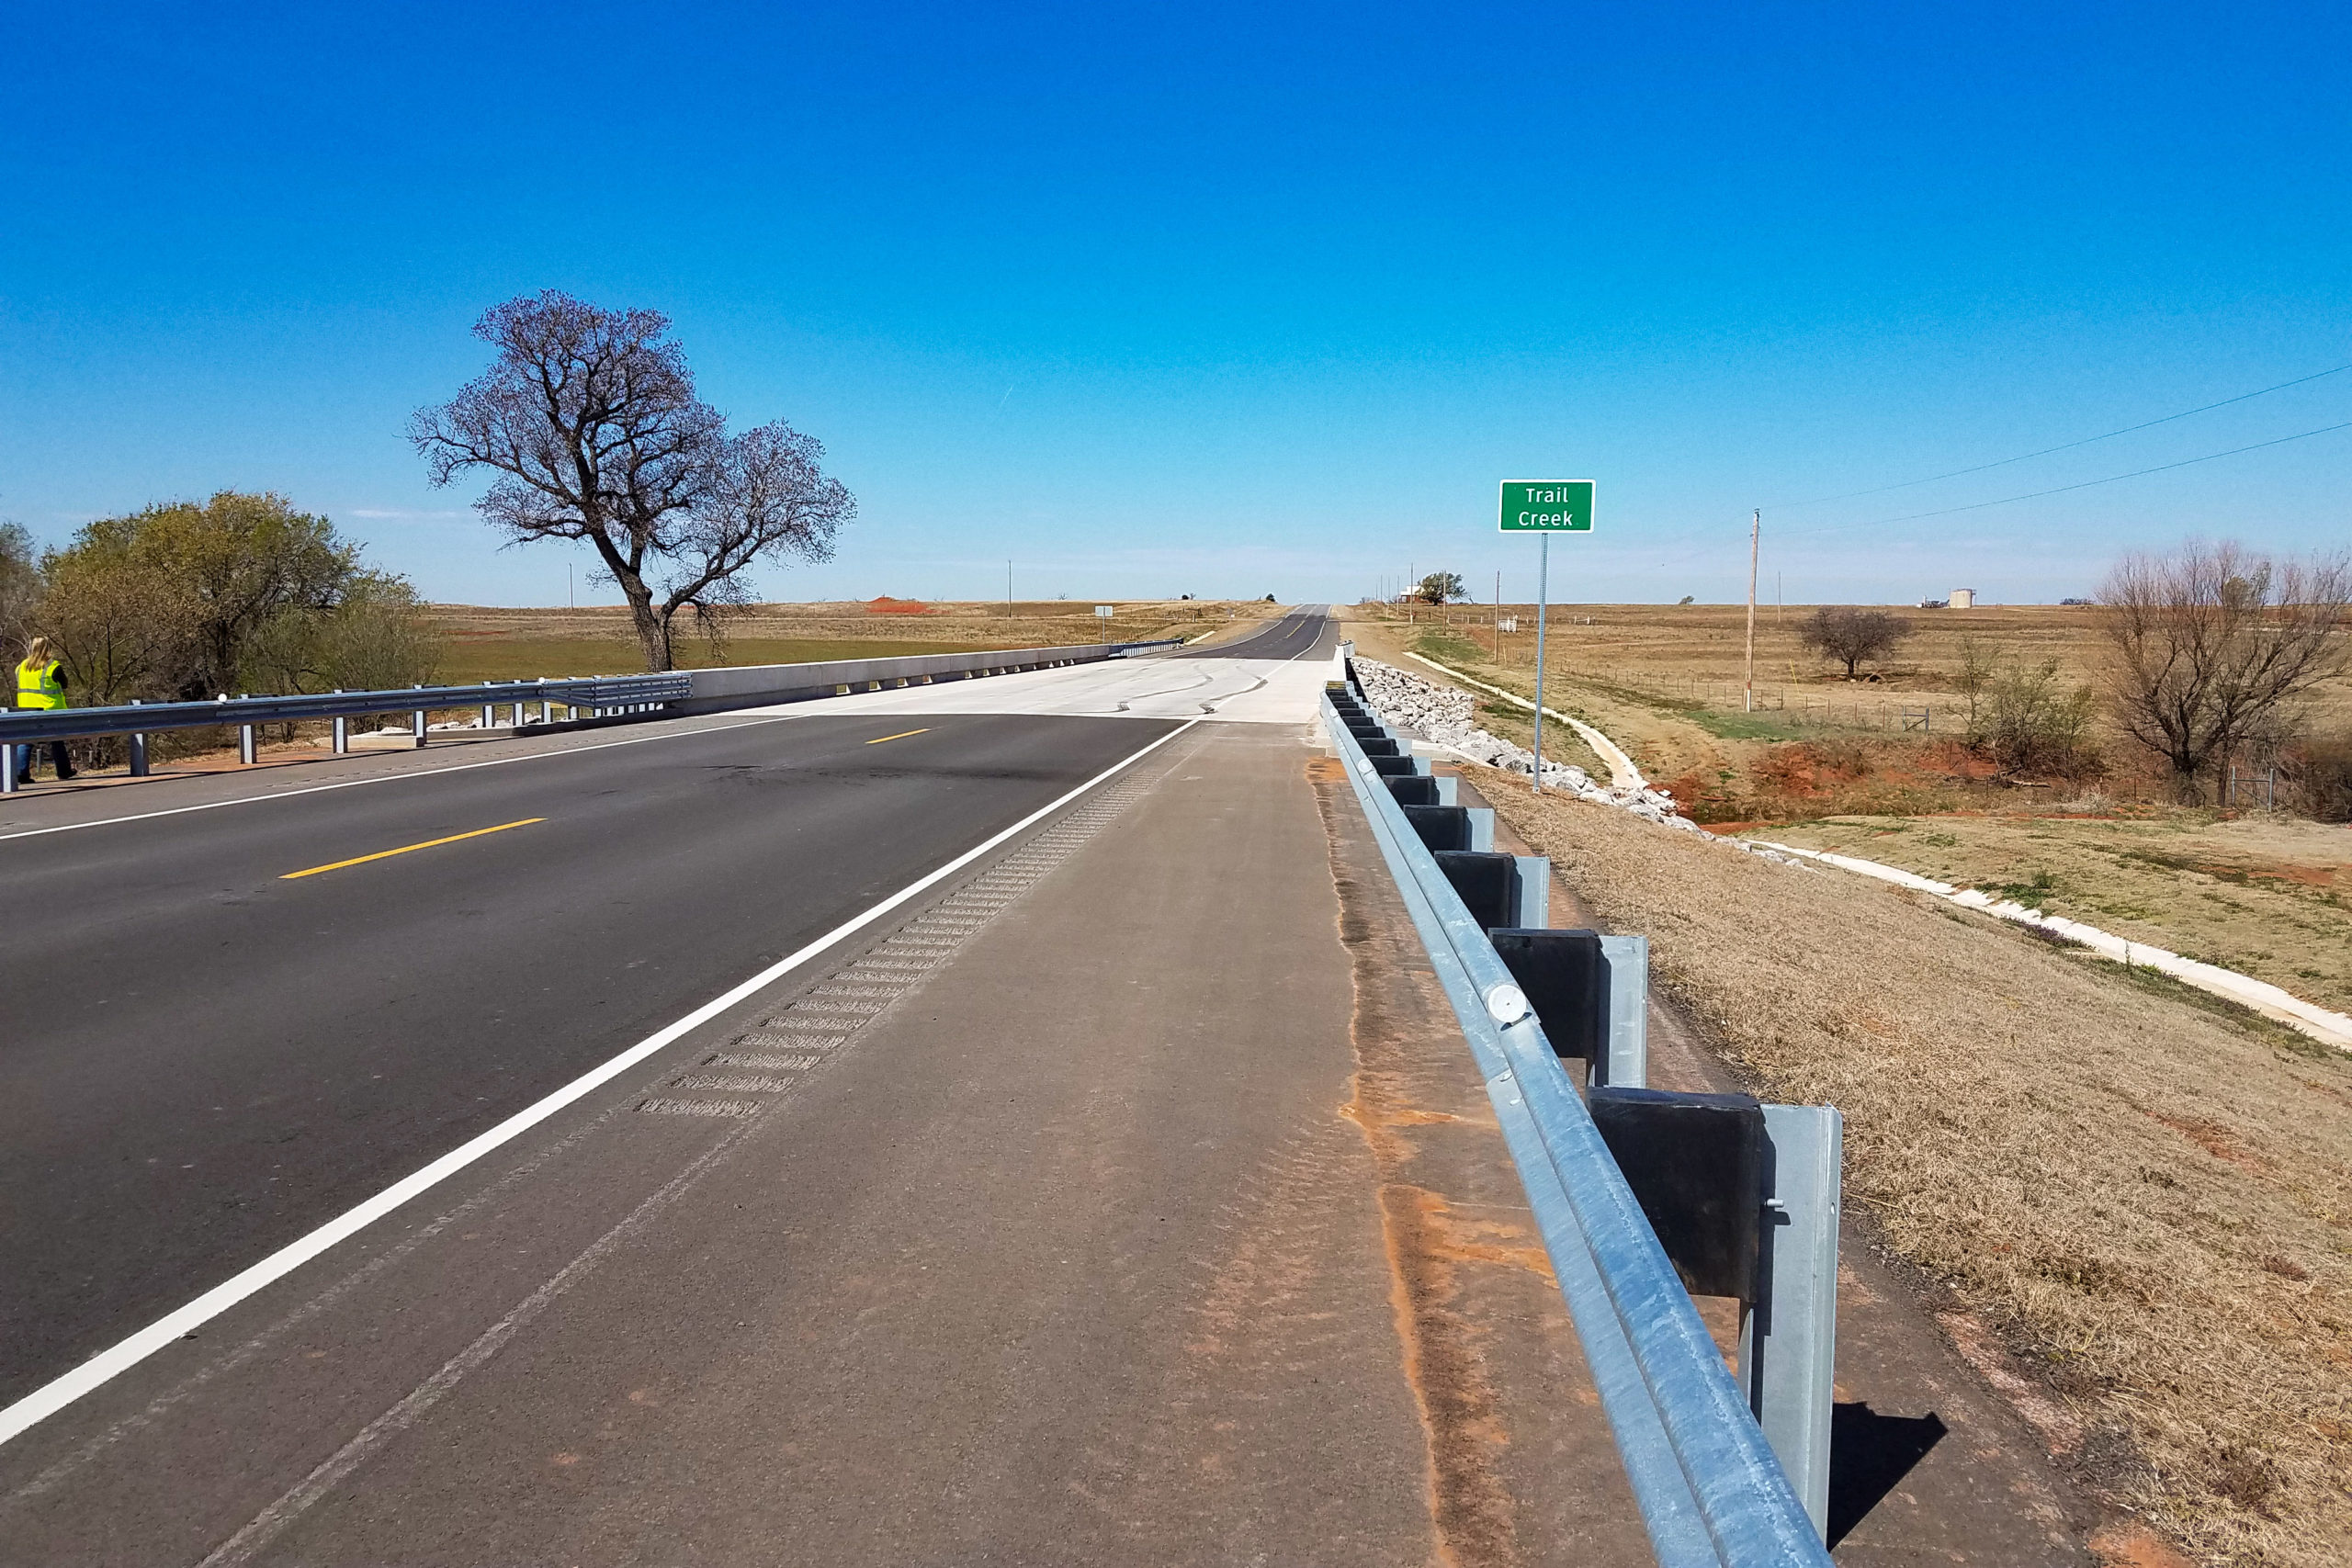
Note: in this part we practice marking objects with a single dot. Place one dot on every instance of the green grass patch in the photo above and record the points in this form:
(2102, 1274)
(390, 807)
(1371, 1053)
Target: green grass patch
(1740, 725)
(2033, 895)
(1449, 647)
(2237, 1014)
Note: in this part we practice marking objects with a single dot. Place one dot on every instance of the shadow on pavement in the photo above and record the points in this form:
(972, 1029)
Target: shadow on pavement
(1869, 1456)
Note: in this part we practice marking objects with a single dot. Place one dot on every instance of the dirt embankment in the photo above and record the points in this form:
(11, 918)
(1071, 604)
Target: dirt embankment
(2150, 1201)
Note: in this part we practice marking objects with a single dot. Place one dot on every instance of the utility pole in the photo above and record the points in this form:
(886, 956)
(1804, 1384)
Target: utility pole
(1755, 536)
(1008, 588)
(1498, 618)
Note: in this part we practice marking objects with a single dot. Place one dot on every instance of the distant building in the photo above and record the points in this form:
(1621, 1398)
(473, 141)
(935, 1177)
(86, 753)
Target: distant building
(1962, 599)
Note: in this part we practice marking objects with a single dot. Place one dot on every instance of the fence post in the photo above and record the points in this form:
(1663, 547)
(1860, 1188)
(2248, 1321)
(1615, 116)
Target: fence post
(8, 769)
(416, 719)
(247, 753)
(138, 750)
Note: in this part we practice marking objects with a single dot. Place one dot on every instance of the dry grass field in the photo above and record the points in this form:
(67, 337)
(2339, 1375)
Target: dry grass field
(1665, 681)
(2145, 1193)
(2267, 894)
(493, 644)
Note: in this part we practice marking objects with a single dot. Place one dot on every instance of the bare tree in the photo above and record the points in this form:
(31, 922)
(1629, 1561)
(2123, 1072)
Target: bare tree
(2213, 643)
(1851, 636)
(1976, 671)
(589, 420)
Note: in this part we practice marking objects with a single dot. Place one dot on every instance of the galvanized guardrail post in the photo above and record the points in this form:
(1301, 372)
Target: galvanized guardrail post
(1788, 1343)
(1627, 1064)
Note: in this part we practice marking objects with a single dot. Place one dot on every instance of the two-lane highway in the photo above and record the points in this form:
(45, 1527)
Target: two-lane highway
(207, 1055)
(1301, 634)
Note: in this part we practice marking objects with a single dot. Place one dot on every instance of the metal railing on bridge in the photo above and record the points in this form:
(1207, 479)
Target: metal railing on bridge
(594, 696)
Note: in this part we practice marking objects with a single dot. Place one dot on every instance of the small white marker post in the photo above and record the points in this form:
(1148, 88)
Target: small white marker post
(1545, 507)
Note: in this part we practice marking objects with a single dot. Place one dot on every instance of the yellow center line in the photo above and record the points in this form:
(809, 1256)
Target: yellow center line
(404, 849)
(900, 736)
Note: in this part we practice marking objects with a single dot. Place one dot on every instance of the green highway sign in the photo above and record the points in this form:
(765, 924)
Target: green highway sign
(1547, 506)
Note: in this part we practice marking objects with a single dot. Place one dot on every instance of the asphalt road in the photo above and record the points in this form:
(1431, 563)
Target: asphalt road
(205, 1057)
(1301, 634)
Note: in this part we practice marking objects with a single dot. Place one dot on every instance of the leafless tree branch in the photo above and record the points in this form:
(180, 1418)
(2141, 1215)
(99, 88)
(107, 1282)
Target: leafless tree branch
(589, 420)
(2213, 643)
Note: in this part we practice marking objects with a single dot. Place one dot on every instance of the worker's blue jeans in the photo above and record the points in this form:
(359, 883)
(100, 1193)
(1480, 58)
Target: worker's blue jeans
(57, 757)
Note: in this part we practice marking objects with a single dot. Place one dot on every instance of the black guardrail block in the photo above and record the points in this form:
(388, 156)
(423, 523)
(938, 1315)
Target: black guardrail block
(1381, 746)
(1389, 767)
(1441, 827)
(1696, 1164)
(1413, 789)
(1487, 881)
(1565, 977)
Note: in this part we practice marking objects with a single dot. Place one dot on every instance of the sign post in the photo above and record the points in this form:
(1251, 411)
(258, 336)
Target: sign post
(1545, 507)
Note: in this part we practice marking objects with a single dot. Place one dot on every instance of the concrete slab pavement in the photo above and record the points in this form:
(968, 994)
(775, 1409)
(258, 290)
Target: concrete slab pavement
(1246, 691)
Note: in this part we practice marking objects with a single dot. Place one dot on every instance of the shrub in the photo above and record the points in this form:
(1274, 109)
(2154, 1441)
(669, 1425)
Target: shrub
(2029, 723)
(2318, 775)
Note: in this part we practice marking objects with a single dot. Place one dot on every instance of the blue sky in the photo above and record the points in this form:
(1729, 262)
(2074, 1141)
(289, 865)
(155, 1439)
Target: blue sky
(1226, 300)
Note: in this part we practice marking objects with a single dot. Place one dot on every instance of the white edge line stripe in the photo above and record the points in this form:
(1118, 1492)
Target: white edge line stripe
(387, 778)
(106, 1364)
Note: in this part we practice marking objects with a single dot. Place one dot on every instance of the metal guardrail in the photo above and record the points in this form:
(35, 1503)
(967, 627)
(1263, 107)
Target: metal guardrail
(595, 695)
(598, 697)
(598, 693)
(1710, 1491)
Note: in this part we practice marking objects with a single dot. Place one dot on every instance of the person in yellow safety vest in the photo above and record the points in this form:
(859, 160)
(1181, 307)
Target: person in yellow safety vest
(41, 685)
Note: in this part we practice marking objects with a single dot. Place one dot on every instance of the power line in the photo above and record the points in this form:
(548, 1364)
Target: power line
(2086, 484)
(2069, 447)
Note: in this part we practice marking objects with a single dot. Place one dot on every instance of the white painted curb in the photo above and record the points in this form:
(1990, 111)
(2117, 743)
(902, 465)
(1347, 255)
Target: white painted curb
(1623, 774)
(2333, 1027)
(2271, 1001)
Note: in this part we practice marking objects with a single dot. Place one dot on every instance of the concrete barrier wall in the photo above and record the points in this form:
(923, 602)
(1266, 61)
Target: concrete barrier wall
(756, 686)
